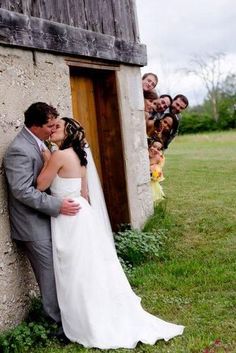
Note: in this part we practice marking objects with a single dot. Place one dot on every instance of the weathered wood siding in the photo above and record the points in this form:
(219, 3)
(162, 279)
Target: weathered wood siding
(101, 29)
(113, 17)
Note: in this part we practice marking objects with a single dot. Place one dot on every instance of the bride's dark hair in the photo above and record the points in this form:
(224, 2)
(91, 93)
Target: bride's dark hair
(75, 138)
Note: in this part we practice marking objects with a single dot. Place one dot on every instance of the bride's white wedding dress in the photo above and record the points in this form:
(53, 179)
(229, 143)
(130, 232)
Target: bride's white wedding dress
(98, 306)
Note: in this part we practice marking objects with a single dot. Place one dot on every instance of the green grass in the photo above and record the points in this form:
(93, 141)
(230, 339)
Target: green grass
(194, 283)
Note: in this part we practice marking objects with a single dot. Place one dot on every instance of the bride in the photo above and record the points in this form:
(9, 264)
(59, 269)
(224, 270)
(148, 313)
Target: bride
(98, 306)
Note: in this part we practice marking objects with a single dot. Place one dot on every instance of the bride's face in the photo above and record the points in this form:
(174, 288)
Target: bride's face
(58, 135)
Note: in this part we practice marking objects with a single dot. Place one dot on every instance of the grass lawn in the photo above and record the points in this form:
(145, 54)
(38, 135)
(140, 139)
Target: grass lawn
(194, 283)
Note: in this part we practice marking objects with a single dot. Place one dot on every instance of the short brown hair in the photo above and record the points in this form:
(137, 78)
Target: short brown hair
(183, 98)
(39, 113)
(150, 73)
(150, 94)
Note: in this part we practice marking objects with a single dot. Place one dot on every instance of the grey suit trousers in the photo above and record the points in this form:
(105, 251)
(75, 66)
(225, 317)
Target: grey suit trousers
(39, 253)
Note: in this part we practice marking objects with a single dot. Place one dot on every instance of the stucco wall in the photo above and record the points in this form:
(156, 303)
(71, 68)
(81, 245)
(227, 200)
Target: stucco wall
(24, 79)
(135, 144)
(27, 77)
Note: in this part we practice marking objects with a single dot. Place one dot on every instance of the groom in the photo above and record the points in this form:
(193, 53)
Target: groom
(29, 209)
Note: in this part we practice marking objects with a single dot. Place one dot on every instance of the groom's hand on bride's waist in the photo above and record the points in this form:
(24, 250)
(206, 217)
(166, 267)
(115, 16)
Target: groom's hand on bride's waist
(69, 207)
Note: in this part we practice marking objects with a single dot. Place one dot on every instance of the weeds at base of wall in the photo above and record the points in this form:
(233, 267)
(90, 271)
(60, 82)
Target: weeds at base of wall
(134, 247)
(36, 330)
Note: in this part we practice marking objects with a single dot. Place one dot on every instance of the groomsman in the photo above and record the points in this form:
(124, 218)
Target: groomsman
(149, 81)
(179, 104)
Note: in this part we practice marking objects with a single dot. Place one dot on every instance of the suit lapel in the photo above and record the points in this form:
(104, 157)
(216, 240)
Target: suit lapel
(31, 140)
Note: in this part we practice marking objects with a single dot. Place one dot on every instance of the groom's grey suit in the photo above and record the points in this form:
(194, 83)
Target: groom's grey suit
(30, 211)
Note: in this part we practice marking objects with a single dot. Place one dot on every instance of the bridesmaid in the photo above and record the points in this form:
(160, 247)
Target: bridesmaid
(157, 161)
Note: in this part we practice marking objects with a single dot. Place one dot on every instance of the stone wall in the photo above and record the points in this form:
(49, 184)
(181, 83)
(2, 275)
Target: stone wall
(28, 76)
(25, 77)
(135, 144)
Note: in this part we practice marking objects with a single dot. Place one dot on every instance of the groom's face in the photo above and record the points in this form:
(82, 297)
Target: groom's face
(45, 131)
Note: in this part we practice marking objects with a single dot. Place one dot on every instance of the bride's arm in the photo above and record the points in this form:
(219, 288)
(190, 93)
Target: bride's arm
(46, 157)
(84, 187)
(49, 171)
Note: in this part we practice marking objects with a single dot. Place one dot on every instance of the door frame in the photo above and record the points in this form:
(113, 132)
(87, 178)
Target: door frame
(123, 203)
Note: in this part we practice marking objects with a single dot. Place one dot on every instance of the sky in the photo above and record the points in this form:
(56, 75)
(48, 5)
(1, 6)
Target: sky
(177, 31)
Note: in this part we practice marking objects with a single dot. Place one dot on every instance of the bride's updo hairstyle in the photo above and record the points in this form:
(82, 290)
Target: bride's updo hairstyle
(75, 138)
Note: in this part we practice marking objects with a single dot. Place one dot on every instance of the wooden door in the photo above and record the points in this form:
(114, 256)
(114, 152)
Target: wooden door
(95, 105)
(84, 111)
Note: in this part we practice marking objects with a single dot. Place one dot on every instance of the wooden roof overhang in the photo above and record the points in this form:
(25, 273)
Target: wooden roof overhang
(36, 33)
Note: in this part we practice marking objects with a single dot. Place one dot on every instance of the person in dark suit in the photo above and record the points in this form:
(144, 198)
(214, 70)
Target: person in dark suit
(178, 105)
(29, 209)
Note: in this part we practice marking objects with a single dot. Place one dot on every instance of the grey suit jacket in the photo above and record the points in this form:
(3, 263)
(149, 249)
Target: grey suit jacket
(29, 209)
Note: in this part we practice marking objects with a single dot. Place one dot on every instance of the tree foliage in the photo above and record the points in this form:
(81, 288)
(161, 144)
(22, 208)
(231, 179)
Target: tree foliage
(209, 69)
(201, 118)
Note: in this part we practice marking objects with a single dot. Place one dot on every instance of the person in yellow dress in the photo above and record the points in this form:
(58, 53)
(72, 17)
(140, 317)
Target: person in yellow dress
(157, 160)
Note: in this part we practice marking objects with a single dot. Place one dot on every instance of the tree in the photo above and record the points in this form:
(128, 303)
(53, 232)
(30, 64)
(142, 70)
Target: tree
(227, 102)
(209, 69)
(199, 118)
(228, 86)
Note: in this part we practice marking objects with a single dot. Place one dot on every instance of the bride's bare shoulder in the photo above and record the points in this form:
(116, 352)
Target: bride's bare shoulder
(62, 153)
(66, 156)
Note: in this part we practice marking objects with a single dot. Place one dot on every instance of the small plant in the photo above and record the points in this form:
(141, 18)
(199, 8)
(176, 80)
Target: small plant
(34, 331)
(135, 247)
(24, 337)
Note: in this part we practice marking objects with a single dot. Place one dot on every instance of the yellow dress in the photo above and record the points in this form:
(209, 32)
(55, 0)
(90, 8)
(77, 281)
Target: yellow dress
(156, 177)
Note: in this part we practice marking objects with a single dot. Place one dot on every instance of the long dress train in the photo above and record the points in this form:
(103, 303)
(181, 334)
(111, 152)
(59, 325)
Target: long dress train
(98, 306)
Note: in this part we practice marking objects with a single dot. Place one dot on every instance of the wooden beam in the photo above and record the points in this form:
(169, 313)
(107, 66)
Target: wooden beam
(31, 32)
(91, 64)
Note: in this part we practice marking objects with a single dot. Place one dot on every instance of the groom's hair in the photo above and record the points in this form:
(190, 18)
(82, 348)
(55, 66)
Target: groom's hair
(39, 113)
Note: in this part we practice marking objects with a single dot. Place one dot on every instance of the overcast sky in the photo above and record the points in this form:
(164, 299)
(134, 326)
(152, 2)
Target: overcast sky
(177, 30)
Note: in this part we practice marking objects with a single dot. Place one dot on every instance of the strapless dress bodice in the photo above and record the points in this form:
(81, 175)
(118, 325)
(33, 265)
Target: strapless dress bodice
(66, 187)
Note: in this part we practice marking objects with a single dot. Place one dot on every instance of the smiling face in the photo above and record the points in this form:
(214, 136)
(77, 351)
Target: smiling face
(162, 104)
(58, 134)
(149, 105)
(155, 104)
(155, 149)
(177, 106)
(149, 83)
(166, 124)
